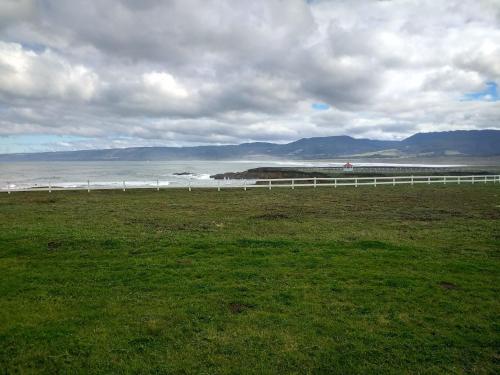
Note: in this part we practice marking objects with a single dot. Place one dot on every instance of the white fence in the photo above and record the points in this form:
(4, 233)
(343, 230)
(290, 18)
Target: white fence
(273, 183)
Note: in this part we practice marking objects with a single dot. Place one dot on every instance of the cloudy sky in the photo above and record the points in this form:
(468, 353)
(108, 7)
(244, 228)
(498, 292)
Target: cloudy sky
(92, 74)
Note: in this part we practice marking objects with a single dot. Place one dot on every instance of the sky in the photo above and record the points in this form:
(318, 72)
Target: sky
(85, 74)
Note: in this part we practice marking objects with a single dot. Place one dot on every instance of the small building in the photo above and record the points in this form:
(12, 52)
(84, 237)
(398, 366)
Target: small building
(348, 167)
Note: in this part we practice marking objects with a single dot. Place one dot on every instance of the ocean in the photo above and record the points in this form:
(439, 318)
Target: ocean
(21, 175)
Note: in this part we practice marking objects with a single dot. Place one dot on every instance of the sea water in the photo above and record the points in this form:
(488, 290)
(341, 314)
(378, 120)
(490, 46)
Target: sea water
(21, 175)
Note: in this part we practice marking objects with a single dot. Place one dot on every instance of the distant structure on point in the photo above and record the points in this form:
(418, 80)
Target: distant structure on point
(348, 167)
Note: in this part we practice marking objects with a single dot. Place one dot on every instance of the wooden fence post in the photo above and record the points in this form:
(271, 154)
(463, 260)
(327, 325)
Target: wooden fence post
(269, 184)
(88, 186)
(293, 184)
(315, 182)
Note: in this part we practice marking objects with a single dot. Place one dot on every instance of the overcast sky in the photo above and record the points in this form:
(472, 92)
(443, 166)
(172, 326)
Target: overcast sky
(117, 73)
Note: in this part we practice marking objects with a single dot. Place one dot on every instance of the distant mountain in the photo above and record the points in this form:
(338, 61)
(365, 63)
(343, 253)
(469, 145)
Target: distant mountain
(473, 142)
(466, 143)
(326, 147)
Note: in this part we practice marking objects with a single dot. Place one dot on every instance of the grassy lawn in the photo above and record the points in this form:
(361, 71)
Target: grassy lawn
(348, 281)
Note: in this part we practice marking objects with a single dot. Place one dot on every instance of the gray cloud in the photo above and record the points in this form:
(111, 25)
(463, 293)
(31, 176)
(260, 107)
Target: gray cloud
(190, 72)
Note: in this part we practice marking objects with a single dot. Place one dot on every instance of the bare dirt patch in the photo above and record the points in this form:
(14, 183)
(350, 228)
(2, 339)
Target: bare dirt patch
(272, 216)
(448, 286)
(53, 245)
(184, 261)
(238, 308)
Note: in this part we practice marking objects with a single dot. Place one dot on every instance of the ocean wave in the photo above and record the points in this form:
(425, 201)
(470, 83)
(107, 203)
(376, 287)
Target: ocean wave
(189, 176)
(85, 184)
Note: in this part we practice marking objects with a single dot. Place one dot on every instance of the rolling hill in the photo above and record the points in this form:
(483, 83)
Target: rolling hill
(460, 142)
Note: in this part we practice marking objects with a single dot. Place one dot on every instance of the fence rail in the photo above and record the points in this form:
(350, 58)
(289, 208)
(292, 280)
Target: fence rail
(272, 183)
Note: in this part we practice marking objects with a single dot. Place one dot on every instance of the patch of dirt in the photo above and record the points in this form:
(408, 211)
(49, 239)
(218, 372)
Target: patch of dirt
(446, 285)
(238, 308)
(184, 261)
(272, 216)
(161, 227)
(53, 245)
(492, 214)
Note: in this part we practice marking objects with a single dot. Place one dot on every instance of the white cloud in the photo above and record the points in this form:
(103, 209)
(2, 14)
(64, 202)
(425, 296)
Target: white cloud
(187, 71)
(45, 75)
(163, 84)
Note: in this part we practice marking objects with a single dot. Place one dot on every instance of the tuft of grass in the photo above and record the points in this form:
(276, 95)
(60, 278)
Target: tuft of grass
(367, 280)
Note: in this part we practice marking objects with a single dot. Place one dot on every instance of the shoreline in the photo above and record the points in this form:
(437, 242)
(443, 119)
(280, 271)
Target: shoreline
(326, 172)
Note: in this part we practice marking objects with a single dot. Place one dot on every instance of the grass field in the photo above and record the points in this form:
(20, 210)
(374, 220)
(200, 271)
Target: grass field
(348, 281)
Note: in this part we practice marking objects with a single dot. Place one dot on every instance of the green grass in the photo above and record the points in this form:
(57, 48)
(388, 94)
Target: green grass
(348, 281)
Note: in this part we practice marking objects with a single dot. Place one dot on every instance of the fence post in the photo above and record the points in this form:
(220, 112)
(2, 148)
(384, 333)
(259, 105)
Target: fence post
(124, 186)
(245, 185)
(189, 188)
(218, 185)
(375, 182)
(88, 186)
(444, 180)
(50, 186)
(8, 187)
(335, 182)
(458, 180)
(394, 181)
(293, 184)
(269, 184)
(428, 180)
(356, 182)
(412, 180)
(157, 184)
(315, 182)
(473, 180)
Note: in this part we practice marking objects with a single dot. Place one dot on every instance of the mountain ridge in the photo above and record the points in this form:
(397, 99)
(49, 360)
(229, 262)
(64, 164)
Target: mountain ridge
(458, 142)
